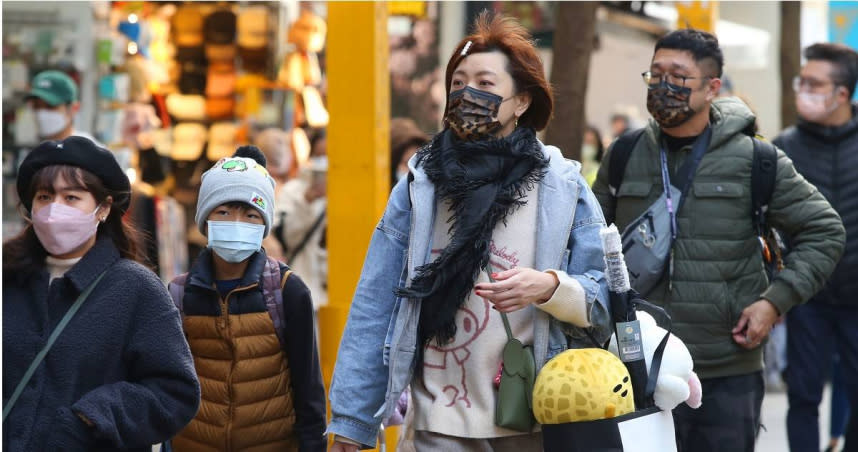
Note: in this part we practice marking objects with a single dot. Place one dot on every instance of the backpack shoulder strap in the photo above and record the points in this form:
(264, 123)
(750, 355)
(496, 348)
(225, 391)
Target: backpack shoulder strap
(272, 292)
(177, 291)
(763, 176)
(619, 158)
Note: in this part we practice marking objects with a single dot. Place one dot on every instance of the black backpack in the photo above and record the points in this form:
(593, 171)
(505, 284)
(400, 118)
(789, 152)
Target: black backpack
(763, 175)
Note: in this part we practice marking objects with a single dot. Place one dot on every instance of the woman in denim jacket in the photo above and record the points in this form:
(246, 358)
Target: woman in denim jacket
(490, 220)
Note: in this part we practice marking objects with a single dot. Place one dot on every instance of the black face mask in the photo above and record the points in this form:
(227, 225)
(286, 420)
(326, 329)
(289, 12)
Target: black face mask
(668, 104)
(473, 114)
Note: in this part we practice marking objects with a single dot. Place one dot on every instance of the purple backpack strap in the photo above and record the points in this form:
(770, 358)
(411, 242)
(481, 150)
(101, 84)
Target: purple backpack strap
(272, 291)
(177, 291)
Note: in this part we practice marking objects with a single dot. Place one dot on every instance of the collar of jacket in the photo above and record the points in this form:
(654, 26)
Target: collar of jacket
(202, 273)
(828, 133)
(100, 257)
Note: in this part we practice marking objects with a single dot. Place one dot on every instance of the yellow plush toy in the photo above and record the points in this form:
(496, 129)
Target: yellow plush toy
(582, 385)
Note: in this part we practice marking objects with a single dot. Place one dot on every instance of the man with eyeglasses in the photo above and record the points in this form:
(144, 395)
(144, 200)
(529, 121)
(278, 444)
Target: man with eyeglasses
(823, 146)
(715, 287)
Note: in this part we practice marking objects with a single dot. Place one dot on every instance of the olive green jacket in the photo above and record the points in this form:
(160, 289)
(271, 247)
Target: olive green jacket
(718, 267)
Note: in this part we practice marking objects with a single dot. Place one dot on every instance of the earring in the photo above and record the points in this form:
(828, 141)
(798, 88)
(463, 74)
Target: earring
(516, 122)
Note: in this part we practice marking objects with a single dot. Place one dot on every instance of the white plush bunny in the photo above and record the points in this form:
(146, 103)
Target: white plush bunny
(677, 381)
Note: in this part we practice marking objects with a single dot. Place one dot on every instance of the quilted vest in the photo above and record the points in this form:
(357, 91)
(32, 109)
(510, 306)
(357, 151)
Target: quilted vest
(244, 375)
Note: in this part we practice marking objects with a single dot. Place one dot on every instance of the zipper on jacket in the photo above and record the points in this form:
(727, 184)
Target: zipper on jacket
(227, 332)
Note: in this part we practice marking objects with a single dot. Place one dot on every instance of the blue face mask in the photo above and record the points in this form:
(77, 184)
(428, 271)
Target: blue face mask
(235, 241)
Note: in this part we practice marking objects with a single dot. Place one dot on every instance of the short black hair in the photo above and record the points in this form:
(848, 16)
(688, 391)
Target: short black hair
(844, 59)
(702, 45)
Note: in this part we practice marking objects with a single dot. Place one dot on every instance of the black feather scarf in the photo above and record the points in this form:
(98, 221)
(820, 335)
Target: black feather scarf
(484, 181)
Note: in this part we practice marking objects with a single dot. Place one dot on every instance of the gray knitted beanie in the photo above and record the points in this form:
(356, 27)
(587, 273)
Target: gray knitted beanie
(236, 178)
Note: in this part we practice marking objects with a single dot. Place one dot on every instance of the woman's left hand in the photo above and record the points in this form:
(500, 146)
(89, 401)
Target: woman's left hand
(516, 288)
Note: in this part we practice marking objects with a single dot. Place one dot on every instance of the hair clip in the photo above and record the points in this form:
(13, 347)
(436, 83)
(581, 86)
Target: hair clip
(465, 49)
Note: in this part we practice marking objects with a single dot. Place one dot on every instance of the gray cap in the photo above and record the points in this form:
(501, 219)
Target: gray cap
(236, 179)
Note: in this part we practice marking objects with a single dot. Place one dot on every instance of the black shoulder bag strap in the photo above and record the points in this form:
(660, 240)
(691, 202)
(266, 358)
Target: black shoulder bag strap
(655, 365)
(53, 338)
(685, 175)
(763, 176)
(303, 243)
(684, 179)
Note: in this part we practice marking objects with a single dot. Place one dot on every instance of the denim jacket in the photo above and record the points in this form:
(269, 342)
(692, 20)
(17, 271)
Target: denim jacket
(376, 356)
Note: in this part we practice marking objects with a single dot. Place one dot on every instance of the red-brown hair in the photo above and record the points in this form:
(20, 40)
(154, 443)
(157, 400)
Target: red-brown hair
(496, 32)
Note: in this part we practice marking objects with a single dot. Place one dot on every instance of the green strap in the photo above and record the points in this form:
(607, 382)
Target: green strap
(509, 335)
(506, 326)
(41, 356)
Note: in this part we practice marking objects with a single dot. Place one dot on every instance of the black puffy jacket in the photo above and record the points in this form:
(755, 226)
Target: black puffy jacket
(828, 158)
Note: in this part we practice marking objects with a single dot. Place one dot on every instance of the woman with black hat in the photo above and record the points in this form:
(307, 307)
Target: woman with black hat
(93, 352)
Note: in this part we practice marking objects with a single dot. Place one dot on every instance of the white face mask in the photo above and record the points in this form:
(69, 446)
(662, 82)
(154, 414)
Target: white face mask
(811, 106)
(235, 241)
(50, 122)
(588, 153)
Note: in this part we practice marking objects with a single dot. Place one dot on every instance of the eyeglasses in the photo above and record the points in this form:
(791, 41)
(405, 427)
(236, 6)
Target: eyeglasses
(671, 81)
(798, 82)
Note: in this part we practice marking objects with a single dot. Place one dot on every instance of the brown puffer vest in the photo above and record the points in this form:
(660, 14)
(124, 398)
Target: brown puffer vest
(244, 375)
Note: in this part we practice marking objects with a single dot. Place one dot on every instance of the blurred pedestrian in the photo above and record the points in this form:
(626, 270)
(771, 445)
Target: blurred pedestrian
(823, 145)
(119, 375)
(54, 98)
(405, 139)
(591, 154)
(275, 144)
(620, 124)
(301, 213)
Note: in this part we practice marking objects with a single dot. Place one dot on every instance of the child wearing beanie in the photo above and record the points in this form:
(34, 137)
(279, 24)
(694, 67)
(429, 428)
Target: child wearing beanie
(249, 323)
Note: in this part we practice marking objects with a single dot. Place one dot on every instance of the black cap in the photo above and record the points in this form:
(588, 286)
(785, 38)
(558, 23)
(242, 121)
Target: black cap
(82, 153)
(220, 27)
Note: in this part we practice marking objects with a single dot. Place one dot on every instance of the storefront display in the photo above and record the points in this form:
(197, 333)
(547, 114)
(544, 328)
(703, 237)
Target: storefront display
(169, 87)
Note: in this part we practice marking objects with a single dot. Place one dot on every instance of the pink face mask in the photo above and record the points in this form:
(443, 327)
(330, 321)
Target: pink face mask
(811, 106)
(63, 229)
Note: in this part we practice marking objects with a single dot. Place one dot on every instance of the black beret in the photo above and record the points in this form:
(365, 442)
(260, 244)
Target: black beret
(82, 153)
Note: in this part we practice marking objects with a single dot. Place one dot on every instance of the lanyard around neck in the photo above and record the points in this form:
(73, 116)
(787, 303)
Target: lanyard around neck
(685, 175)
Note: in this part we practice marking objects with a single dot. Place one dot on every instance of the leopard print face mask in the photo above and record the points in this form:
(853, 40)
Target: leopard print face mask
(473, 114)
(669, 108)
